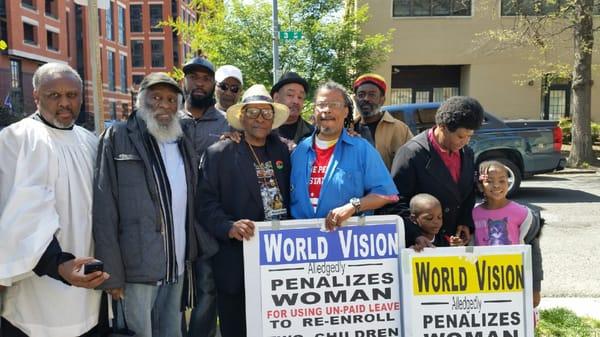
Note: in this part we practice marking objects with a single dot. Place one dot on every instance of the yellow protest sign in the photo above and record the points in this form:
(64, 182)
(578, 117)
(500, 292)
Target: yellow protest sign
(435, 275)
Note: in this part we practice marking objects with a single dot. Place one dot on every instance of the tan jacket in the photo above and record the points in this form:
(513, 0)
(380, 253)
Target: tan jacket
(389, 136)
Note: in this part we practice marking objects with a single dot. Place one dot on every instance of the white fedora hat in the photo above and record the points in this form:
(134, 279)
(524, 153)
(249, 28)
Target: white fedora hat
(257, 94)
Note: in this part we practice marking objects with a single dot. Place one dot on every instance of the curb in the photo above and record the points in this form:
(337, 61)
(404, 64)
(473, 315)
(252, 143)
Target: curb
(575, 171)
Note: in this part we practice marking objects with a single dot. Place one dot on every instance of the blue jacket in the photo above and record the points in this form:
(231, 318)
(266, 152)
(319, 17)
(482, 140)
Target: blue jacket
(355, 170)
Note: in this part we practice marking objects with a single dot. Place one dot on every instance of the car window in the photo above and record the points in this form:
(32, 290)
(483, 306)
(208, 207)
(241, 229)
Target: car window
(398, 114)
(425, 119)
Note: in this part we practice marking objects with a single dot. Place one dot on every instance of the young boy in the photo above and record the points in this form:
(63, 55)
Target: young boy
(426, 213)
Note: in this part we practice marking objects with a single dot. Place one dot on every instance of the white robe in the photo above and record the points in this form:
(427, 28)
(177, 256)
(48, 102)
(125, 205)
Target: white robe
(46, 178)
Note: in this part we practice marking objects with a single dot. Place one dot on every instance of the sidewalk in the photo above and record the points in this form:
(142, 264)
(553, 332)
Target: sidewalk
(581, 306)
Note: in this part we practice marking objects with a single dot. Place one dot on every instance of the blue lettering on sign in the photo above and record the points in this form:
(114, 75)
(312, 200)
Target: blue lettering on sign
(289, 246)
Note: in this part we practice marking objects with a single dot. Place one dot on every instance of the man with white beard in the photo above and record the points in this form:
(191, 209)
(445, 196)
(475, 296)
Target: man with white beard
(143, 215)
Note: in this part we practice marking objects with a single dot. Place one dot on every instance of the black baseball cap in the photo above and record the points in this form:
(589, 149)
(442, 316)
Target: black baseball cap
(198, 62)
(290, 77)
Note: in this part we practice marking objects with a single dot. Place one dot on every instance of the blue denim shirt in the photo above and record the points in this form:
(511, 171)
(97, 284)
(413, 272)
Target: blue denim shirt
(355, 170)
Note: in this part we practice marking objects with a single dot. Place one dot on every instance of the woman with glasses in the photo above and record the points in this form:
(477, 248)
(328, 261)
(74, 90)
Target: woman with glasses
(240, 183)
(334, 175)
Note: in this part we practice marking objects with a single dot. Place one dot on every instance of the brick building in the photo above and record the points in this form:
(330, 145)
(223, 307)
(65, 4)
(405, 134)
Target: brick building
(41, 31)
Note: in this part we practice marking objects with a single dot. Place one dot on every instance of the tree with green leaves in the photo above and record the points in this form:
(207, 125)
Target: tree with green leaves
(332, 46)
(558, 32)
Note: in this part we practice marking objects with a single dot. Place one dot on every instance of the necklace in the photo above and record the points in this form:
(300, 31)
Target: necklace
(273, 203)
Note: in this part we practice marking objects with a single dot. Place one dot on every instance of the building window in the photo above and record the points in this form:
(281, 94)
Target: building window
(442, 94)
(2, 8)
(30, 34)
(401, 95)
(68, 35)
(109, 22)
(113, 111)
(121, 25)
(3, 30)
(16, 87)
(15, 74)
(556, 94)
(136, 18)
(156, 16)
(533, 7)
(28, 4)
(99, 22)
(111, 70)
(52, 8)
(158, 57)
(137, 79)
(406, 8)
(137, 53)
(123, 73)
(420, 84)
(52, 40)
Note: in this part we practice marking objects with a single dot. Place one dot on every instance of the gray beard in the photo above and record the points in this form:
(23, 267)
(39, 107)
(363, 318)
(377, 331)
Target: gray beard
(162, 133)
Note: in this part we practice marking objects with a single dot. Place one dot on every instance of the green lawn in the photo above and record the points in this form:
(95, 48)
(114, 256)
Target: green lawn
(560, 322)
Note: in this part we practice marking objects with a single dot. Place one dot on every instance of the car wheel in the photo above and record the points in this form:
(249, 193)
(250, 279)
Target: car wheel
(514, 176)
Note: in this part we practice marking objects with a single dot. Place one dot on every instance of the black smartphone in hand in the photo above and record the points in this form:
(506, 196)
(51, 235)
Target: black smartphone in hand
(93, 266)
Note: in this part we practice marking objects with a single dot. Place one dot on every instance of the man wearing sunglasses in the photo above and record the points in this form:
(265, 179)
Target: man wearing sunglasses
(240, 183)
(229, 87)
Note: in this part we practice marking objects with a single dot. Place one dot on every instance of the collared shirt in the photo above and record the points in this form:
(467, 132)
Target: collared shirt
(175, 169)
(355, 170)
(206, 130)
(451, 159)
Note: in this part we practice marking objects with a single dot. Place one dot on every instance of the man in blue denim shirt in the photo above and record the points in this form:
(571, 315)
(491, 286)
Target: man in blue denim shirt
(335, 176)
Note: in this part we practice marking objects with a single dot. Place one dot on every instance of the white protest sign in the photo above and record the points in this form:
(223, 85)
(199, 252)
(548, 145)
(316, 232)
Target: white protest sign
(468, 292)
(302, 281)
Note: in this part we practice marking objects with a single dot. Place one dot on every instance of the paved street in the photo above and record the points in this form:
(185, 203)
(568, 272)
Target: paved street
(570, 243)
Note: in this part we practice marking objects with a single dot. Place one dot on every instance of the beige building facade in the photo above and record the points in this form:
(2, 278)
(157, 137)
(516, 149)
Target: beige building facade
(437, 53)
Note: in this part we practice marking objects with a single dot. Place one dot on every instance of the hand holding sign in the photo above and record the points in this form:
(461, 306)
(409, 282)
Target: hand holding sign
(242, 229)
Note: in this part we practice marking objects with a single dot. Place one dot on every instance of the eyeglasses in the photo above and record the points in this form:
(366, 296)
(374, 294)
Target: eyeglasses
(253, 113)
(330, 105)
(224, 86)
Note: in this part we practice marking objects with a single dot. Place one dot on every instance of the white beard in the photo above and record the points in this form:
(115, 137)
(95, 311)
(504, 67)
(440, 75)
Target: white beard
(163, 133)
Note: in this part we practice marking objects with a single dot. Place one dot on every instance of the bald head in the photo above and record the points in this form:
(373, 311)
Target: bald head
(423, 202)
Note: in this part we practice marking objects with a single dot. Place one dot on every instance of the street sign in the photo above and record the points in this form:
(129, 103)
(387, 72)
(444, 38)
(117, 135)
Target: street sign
(290, 35)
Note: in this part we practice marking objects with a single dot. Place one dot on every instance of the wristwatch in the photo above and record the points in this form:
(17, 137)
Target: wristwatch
(355, 202)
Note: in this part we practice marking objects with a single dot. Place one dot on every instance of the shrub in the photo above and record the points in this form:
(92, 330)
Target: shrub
(566, 124)
(561, 322)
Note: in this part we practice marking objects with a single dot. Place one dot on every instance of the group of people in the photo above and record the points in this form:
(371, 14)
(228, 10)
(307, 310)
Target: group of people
(166, 198)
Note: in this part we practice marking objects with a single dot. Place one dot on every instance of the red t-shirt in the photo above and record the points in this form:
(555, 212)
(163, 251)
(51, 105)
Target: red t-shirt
(450, 159)
(324, 151)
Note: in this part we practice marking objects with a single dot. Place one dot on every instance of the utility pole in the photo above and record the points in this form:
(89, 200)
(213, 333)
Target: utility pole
(275, 43)
(97, 101)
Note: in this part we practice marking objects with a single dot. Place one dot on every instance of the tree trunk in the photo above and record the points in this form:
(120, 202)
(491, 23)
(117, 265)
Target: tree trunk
(581, 132)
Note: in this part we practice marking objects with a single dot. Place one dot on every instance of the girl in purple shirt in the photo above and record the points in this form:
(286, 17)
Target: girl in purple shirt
(499, 221)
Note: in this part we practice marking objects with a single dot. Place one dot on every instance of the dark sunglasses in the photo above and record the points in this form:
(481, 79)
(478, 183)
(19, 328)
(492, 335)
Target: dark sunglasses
(224, 86)
(253, 113)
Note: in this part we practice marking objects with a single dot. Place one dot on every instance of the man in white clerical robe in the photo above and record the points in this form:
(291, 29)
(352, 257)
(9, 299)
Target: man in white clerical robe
(46, 175)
